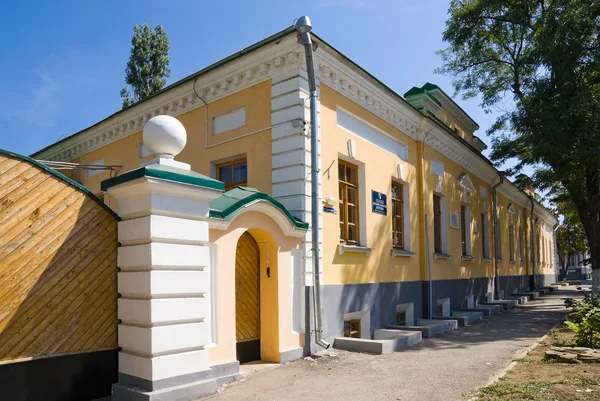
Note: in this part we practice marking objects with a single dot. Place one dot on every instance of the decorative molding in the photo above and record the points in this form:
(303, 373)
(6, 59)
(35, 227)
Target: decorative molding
(230, 78)
(348, 82)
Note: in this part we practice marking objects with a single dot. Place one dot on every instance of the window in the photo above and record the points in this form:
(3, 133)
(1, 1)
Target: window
(522, 243)
(397, 215)
(348, 180)
(233, 173)
(401, 318)
(440, 309)
(463, 230)
(484, 240)
(352, 328)
(437, 224)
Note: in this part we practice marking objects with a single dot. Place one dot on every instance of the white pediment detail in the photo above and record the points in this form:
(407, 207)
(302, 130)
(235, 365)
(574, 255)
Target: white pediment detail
(464, 181)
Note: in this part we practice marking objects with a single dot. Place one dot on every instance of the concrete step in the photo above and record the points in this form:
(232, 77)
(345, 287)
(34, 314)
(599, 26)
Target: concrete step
(487, 310)
(470, 317)
(530, 294)
(551, 288)
(542, 291)
(429, 328)
(385, 341)
(187, 391)
(505, 303)
(449, 324)
(520, 299)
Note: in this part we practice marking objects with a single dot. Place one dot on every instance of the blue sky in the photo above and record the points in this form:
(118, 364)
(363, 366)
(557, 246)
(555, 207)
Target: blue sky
(63, 62)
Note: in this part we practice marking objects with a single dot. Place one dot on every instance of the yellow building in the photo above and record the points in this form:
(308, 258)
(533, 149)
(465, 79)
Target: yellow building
(414, 218)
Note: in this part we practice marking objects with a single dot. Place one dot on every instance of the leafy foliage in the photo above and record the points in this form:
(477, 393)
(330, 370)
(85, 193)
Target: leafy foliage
(541, 59)
(584, 320)
(148, 66)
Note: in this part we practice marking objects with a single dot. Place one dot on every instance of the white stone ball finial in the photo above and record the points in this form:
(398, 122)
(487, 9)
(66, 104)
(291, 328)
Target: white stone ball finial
(164, 136)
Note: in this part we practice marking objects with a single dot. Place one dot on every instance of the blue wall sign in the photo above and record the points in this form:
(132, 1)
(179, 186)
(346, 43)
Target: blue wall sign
(328, 209)
(379, 202)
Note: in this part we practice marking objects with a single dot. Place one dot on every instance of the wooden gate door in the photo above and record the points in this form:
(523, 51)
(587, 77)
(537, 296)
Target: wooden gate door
(247, 299)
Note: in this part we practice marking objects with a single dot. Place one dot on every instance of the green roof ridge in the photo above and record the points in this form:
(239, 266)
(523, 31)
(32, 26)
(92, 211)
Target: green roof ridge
(61, 177)
(233, 200)
(168, 173)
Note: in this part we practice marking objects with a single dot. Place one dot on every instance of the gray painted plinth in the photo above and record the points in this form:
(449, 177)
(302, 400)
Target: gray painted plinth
(470, 317)
(129, 390)
(505, 303)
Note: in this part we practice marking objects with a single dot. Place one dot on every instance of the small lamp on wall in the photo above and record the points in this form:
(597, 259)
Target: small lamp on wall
(330, 201)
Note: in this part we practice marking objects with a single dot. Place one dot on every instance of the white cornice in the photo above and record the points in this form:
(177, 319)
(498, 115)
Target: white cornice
(451, 147)
(363, 90)
(249, 70)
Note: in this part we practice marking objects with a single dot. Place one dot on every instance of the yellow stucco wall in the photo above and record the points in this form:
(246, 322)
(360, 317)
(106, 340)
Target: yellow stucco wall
(512, 265)
(378, 167)
(276, 331)
(256, 99)
(454, 267)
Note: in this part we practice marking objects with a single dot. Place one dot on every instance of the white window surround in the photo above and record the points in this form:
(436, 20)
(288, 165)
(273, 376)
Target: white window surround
(370, 133)
(229, 121)
(362, 208)
(99, 162)
(365, 322)
(445, 302)
(409, 308)
(437, 167)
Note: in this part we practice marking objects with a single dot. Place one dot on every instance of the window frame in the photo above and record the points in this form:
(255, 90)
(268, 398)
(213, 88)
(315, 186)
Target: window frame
(343, 187)
(438, 241)
(463, 230)
(484, 236)
(511, 236)
(232, 163)
(398, 207)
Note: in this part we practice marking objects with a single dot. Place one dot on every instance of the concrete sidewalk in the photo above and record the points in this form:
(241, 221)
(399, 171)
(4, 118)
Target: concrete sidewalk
(449, 367)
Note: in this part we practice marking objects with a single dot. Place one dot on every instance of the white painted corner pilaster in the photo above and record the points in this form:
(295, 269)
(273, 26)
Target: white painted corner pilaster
(291, 152)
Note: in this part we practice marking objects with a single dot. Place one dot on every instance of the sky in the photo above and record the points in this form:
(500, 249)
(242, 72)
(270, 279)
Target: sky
(63, 62)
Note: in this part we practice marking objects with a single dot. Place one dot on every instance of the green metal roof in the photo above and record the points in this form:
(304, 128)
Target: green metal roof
(165, 173)
(231, 201)
(61, 177)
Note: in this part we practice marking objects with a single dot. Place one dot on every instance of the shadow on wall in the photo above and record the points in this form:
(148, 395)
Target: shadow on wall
(58, 291)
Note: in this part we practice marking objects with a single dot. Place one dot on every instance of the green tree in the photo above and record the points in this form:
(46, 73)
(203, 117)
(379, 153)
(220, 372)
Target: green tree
(542, 56)
(148, 66)
(570, 241)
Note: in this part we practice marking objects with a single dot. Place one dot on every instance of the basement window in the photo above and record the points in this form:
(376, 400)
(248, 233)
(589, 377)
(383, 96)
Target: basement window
(352, 328)
(440, 310)
(401, 318)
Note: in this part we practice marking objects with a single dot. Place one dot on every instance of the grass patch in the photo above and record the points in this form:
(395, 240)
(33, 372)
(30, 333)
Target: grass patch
(534, 379)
